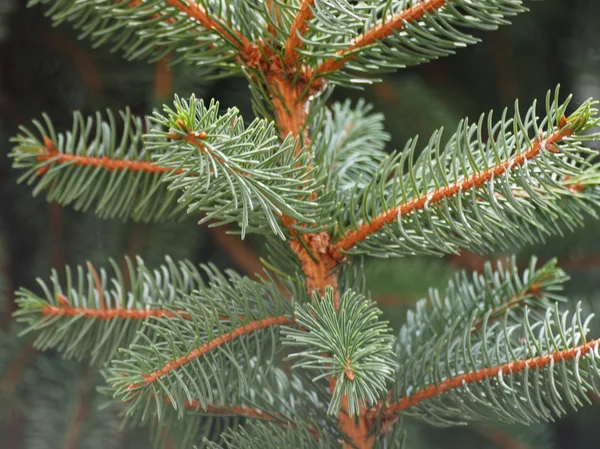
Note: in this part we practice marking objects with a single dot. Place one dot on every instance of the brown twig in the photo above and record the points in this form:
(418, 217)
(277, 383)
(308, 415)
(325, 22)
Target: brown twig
(298, 28)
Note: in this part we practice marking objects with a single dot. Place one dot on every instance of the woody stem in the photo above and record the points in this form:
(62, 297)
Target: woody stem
(291, 115)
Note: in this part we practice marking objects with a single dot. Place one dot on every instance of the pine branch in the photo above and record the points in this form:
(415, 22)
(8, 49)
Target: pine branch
(502, 373)
(385, 36)
(247, 175)
(197, 12)
(95, 315)
(64, 309)
(474, 187)
(50, 155)
(380, 32)
(298, 28)
(90, 166)
(475, 300)
(154, 29)
(511, 368)
(475, 181)
(253, 326)
(208, 345)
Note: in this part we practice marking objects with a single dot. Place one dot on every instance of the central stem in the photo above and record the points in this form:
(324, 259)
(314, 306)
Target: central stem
(291, 113)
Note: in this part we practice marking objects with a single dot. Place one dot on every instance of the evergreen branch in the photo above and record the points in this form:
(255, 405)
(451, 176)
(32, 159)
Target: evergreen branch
(470, 304)
(503, 373)
(475, 181)
(222, 339)
(197, 12)
(385, 36)
(246, 175)
(349, 142)
(207, 344)
(64, 309)
(380, 32)
(100, 163)
(95, 315)
(298, 28)
(514, 185)
(507, 369)
(50, 155)
(152, 29)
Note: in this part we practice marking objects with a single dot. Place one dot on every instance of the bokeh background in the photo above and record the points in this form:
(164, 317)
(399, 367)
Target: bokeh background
(44, 401)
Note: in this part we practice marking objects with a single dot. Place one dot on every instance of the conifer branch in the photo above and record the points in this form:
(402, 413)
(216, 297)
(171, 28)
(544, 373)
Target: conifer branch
(197, 12)
(298, 28)
(64, 309)
(50, 154)
(514, 301)
(246, 329)
(74, 312)
(475, 181)
(391, 410)
(379, 32)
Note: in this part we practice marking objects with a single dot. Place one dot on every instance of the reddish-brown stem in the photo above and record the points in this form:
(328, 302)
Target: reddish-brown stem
(475, 181)
(79, 58)
(248, 412)
(13, 373)
(79, 414)
(232, 409)
(514, 301)
(163, 79)
(197, 12)
(51, 153)
(357, 428)
(486, 373)
(248, 328)
(105, 314)
(110, 314)
(243, 256)
(379, 32)
(290, 108)
(298, 28)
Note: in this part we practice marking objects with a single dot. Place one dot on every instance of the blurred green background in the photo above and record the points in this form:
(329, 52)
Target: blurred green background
(45, 69)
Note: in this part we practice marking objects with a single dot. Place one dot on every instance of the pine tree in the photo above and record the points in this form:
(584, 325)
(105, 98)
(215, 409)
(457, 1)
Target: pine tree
(300, 356)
